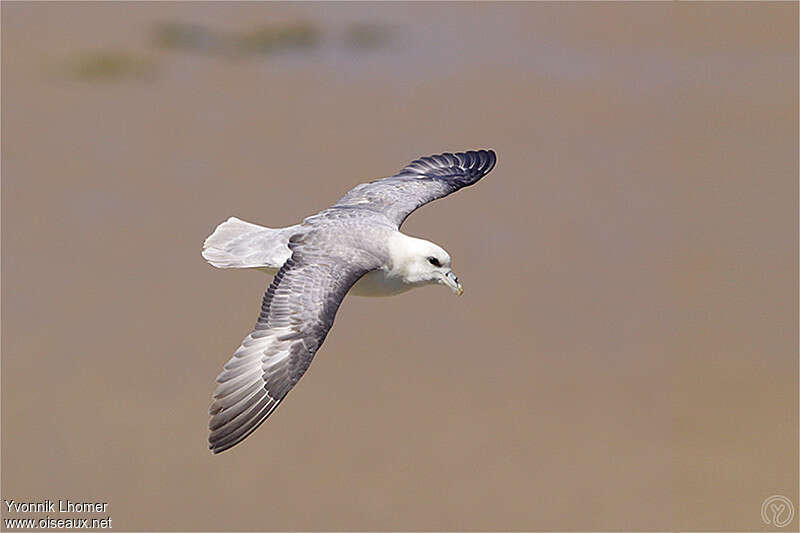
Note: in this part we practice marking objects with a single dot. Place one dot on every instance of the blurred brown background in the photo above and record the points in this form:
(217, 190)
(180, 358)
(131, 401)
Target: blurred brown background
(624, 357)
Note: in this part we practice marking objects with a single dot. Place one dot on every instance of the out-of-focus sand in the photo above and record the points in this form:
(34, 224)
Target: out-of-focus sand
(624, 356)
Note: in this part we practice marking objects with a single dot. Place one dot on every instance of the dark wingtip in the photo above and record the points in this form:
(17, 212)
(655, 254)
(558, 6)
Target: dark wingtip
(486, 160)
(216, 448)
(477, 162)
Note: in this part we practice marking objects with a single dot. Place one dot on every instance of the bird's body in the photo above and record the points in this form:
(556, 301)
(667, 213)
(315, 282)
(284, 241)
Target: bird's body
(263, 248)
(354, 247)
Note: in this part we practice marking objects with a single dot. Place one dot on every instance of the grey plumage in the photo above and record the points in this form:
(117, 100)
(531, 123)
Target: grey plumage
(422, 181)
(327, 254)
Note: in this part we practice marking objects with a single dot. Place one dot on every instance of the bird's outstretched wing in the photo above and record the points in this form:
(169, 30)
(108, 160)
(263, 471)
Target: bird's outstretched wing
(296, 314)
(422, 181)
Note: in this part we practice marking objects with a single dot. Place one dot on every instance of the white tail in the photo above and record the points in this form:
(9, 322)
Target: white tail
(239, 244)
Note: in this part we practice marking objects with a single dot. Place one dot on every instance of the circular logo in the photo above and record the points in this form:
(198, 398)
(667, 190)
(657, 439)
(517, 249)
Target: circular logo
(777, 510)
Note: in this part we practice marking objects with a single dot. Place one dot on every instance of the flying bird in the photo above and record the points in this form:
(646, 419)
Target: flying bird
(353, 246)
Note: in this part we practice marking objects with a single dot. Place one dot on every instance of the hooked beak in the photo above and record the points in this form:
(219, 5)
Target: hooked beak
(451, 281)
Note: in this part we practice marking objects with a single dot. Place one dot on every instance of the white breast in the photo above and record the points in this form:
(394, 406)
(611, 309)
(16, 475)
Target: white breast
(379, 283)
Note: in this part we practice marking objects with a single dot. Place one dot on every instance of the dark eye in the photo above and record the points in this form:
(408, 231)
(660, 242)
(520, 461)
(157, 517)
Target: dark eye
(435, 262)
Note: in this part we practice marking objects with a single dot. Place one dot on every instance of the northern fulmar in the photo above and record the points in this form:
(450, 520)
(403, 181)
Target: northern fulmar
(354, 245)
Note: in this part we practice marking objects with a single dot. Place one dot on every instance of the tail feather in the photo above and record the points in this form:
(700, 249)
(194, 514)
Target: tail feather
(239, 244)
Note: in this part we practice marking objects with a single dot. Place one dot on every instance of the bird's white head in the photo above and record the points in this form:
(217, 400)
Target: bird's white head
(421, 262)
